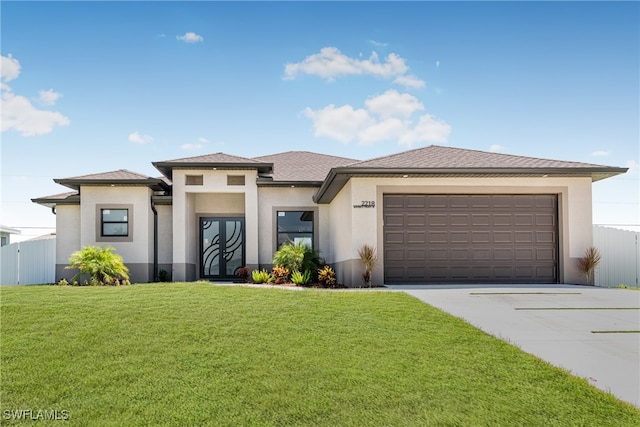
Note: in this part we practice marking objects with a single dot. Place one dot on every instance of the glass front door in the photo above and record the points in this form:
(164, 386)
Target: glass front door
(222, 251)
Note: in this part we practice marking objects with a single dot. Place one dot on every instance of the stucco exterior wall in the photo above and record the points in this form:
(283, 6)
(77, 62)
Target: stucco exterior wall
(352, 227)
(137, 250)
(341, 231)
(165, 238)
(67, 239)
(213, 198)
(271, 199)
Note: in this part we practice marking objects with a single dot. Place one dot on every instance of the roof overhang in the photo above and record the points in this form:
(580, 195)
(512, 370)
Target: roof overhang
(268, 182)
(338, 177)
(155, 184)
(166, 168)
(58, 199)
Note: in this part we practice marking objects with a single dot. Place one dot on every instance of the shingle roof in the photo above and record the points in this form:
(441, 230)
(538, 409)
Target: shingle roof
(112, 175)
(447, 161)
(215, 160)
(212, 158)
(117, 177)
(438, 157)
(68, 198)
(303, 166)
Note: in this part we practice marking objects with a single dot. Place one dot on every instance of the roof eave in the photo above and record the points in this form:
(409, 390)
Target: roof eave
(53, 202)
(340, 176)
(166, 168)
(74, 184)
(273, 183)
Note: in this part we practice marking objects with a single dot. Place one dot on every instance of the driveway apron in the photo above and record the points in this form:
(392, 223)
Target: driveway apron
(592, 332)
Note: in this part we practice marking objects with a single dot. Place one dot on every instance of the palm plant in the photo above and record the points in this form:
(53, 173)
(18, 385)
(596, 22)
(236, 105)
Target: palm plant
(369, 258)
(589, 262)
(100, 263)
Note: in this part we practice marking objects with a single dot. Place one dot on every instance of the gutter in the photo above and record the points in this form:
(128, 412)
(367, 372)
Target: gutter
(155, 239)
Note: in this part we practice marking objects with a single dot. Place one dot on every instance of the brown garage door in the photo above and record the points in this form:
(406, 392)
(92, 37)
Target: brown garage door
(484, 238)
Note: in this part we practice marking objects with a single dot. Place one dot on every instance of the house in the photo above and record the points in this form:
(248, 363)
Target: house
(436, 215)
(5, 234)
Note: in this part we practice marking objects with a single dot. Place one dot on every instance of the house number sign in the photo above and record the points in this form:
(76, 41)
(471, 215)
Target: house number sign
(366, 204)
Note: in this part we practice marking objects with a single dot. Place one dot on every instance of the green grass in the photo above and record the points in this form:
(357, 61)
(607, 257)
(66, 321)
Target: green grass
(197, 354)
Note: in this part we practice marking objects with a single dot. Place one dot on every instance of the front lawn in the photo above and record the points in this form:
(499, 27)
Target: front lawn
(198, 354)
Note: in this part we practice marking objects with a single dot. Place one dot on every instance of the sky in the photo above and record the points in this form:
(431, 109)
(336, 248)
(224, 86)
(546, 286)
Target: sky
(93, 87)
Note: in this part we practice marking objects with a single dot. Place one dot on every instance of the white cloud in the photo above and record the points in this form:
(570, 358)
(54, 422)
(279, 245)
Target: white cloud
(330, 63)
(497, 148)
(386, 117)
(48, 97)
(392, 103)
(342, 123)
(600, 153)
(386, 130)
(190, 37)
(19, 114)
(428, 129)
(378, 44)
(409, 81)
(138, 138)
(9, 68)
(17, 111)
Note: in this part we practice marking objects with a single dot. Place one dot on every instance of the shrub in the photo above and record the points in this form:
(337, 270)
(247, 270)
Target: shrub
(280, 275)
(589, 262)
(327, 277)
(369, 258)
(243, 274)
(163, 276)
(301, 278)
(290, 256)
(100, 263)
(63, 282)
(297, 257)
(260, 276)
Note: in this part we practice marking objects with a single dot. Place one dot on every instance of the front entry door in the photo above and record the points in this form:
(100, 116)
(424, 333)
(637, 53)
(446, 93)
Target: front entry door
(222, 251)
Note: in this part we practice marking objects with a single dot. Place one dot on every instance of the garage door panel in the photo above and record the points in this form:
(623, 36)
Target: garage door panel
(394, 220)
(438, 220)
(437, 237)
(470, 238)
(416, 220)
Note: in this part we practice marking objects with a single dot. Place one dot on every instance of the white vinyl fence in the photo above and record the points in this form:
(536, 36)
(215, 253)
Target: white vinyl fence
(28, 263)
(620, 263)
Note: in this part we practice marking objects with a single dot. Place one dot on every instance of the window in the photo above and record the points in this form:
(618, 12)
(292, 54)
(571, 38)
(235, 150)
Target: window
(115, 222)
(296, 227)
(194, 180)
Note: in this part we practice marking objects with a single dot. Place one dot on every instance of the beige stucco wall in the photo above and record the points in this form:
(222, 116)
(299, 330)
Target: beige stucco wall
(165, 235)
(352, 227)
(271, 199)
(68, 237)
(137, 250)
(213, 198)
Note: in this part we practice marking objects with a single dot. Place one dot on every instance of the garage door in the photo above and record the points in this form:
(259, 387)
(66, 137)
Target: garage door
(448, 238)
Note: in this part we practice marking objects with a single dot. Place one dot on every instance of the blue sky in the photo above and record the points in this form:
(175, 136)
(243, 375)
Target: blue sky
(92, 87)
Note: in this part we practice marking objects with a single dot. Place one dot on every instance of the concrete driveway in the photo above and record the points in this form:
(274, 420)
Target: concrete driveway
(592, 332)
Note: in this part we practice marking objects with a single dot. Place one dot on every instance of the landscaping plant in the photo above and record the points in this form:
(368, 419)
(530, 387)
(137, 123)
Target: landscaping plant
(589, 262)
(260, 276)
(297, 257)
(301, 278)
(103, 266)
(280, 275)
(327, 277)
(369, 258)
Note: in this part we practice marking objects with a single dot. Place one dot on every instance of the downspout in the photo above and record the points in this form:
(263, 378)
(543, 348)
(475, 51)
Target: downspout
(155, 240)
